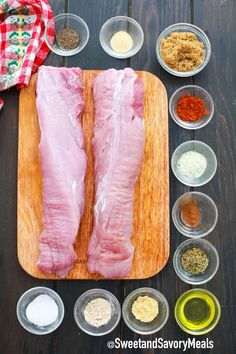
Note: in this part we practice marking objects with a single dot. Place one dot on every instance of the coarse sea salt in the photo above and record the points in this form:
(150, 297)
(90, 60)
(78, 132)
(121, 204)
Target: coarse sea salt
(192, 164)
(42, 311)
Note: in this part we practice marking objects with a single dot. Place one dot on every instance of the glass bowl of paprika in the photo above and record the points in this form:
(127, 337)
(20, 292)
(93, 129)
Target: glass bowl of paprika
(191, 107)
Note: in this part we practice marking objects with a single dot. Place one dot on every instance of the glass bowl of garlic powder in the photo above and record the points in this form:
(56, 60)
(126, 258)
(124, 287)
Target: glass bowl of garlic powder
(121, 37)
(145, 311)
(194, 163)
(97, 312)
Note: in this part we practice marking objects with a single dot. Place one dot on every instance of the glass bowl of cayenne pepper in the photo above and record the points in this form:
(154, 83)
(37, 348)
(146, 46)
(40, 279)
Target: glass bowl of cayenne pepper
(191, 107)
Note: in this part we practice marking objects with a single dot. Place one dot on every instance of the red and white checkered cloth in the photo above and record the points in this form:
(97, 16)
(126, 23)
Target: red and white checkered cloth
(22, 46)
(1, 104)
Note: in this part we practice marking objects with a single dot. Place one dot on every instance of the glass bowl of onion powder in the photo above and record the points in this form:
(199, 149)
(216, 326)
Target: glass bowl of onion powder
(194, 163)
(97, 312)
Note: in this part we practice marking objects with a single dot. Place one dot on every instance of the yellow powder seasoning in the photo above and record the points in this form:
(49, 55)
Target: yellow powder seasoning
(121, 42)
(145, 309)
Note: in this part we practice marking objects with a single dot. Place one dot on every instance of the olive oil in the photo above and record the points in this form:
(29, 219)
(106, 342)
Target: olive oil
(197, 310)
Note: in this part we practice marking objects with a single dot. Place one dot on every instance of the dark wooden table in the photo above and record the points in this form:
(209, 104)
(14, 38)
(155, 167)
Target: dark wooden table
(217, 18)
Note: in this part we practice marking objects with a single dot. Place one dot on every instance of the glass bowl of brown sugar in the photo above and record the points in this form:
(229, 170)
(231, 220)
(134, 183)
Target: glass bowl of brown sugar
(66, 34)
(183, 49)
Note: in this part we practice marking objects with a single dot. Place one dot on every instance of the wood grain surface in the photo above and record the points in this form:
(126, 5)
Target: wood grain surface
(217, 18)
(151, 202)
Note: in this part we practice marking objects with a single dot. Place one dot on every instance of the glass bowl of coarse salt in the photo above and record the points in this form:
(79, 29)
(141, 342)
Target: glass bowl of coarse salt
(121, 37)
(194, 163)
(40, 310)
(97, 312)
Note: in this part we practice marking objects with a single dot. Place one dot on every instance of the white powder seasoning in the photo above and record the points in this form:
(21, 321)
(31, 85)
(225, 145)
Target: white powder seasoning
(98, 312)
(42, 311)
(192, 164)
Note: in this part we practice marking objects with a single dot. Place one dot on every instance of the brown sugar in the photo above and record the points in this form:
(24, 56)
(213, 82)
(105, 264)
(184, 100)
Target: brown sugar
(182, 51)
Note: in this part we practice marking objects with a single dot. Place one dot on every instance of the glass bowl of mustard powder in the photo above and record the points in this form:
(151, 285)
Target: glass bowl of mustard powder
(145, 311)
(66, 34)
(183, 49)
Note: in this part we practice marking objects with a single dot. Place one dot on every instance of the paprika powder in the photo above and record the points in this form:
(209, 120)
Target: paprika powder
(191, 108)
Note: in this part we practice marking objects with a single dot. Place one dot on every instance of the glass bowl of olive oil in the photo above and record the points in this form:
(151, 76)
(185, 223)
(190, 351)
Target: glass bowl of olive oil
(197, 311)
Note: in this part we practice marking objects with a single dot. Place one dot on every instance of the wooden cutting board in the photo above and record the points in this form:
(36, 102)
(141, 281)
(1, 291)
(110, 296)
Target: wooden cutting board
(151, 207)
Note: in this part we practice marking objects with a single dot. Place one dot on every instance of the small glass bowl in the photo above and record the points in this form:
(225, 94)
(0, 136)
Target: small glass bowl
(194, 91)
(209, 214)
(179, 310)
(206, 151)
(28, 297)
(82, 302)
(121, 23)
(142, 327)
(71, 21)
(184, 27)
(208, 274)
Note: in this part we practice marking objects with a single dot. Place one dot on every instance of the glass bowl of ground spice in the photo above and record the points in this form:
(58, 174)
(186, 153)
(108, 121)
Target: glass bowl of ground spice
(183, 49)
(71, 34)
(121, 37)
(195, 214)
(196, 261)
(191, 107)
(194, 163)
(145, 311)
(97, 312)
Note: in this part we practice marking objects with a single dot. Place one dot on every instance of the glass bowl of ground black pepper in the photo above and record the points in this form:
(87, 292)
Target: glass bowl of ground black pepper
(196, 261)
(97, 312)
(191, 107)
(195, 214)
(183, 49)
(66, 34)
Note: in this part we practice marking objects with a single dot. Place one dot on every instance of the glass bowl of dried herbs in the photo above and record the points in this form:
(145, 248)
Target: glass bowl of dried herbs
(66, 34)
(196, 261)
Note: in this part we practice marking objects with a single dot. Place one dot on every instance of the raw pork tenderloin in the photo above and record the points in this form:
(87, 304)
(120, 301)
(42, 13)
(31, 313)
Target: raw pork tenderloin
(63, 162)
(118, 146)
